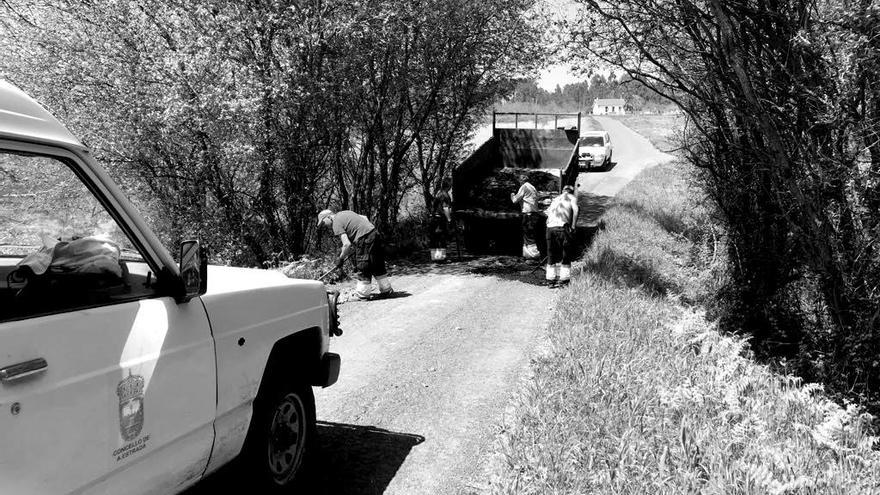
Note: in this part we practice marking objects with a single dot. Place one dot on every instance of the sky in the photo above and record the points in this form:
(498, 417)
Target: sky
(557, 74)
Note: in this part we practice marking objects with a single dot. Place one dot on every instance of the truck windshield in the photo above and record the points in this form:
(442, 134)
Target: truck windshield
(43, 204)
(592, 141)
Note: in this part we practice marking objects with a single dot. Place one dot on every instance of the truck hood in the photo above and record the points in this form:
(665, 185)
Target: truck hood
(227, 279)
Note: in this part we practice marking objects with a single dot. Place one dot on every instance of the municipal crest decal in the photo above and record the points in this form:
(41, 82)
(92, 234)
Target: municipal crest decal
(131, 406)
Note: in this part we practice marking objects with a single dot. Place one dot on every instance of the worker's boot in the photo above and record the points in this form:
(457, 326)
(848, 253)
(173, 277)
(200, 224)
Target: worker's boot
(438, 255)
(564, 275)
(363, 290)
(551, 275)
(384, 286)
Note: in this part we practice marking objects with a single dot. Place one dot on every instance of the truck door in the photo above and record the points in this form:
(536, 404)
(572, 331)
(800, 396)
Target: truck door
(106, 384)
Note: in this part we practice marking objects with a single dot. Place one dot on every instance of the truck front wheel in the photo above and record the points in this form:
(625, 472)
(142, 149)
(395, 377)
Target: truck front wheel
(282, 435)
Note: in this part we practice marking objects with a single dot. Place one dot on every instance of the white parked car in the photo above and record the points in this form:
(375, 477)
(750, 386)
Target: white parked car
(121, 370)
(594, 149)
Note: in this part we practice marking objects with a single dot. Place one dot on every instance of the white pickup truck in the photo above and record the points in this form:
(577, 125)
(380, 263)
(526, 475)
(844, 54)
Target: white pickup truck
(122, 371)
(594, 149)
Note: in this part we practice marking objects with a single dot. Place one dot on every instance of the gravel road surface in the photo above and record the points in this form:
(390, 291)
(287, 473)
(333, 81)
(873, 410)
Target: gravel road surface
(433, 371)
(426, 376)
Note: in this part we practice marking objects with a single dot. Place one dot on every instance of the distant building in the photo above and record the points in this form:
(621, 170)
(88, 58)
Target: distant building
(610, 106)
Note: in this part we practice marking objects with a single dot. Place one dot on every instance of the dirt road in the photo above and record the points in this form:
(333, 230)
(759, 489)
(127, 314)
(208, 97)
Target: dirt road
(426, 376)
(632, 154)
(434, 370)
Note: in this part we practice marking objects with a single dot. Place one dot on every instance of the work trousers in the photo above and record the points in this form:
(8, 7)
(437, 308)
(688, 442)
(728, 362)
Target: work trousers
(438, 237)
(369, 255)
(370, 262)
(529, 234)
(559, 253)
(439, 232)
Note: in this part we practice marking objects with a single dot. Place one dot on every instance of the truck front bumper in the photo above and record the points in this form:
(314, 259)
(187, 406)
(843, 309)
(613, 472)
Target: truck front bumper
(328, 370)
(588, 162)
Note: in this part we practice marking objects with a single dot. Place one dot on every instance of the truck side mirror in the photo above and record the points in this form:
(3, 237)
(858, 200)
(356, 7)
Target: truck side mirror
(193, 269)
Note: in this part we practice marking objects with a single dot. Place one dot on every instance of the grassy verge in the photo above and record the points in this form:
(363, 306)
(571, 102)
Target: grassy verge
(662, 130)
(638, 393)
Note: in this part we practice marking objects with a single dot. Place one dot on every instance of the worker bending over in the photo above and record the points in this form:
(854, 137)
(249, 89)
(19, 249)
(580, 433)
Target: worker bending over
(441, 219)
(369, 255)
(561, 216)
(528, 195)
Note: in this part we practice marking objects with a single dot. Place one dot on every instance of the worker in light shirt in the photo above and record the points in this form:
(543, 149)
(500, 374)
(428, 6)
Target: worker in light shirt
(528, 196)
(561, 216)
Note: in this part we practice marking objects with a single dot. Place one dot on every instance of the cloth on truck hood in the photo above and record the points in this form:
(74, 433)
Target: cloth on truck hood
(87, 255)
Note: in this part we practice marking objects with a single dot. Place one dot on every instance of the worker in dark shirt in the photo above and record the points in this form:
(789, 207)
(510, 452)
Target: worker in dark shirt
(357, 231)
(441, 219)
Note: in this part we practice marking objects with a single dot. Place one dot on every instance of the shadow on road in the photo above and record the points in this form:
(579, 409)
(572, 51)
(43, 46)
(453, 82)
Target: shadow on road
(398, 294)
(609, 167)
(602, 168)
(349, 459)
(500, 266)
(356, 459)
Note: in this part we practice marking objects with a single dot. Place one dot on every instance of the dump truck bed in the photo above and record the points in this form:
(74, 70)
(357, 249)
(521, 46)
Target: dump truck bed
(482, 184)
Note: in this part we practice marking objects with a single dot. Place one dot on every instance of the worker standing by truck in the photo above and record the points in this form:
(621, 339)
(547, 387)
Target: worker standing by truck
(441, 220)
(369, 254)
(561, 216)
(528, 196)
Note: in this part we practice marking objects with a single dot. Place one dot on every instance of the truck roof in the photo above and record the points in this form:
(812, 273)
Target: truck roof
(22, 117)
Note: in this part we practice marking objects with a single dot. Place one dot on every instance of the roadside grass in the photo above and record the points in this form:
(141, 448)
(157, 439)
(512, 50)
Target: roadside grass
(660, 239)
(662, 130)
(637, 392)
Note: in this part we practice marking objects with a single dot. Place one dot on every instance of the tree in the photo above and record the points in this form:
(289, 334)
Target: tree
(782, 107)
(237, 121)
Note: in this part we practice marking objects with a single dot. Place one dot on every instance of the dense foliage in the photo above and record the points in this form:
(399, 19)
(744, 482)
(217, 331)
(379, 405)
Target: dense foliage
(237, 120)
(783, 104)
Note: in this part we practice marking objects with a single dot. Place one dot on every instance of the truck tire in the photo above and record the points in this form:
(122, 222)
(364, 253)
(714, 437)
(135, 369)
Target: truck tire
(282, 436)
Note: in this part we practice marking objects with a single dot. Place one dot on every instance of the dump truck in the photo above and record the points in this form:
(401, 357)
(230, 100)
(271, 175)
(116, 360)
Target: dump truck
(547, 157)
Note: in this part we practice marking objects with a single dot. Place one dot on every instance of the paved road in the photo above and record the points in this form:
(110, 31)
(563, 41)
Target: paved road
(426, 377)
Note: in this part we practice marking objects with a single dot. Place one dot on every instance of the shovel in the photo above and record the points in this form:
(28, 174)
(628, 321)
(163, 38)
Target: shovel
(322, 277)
